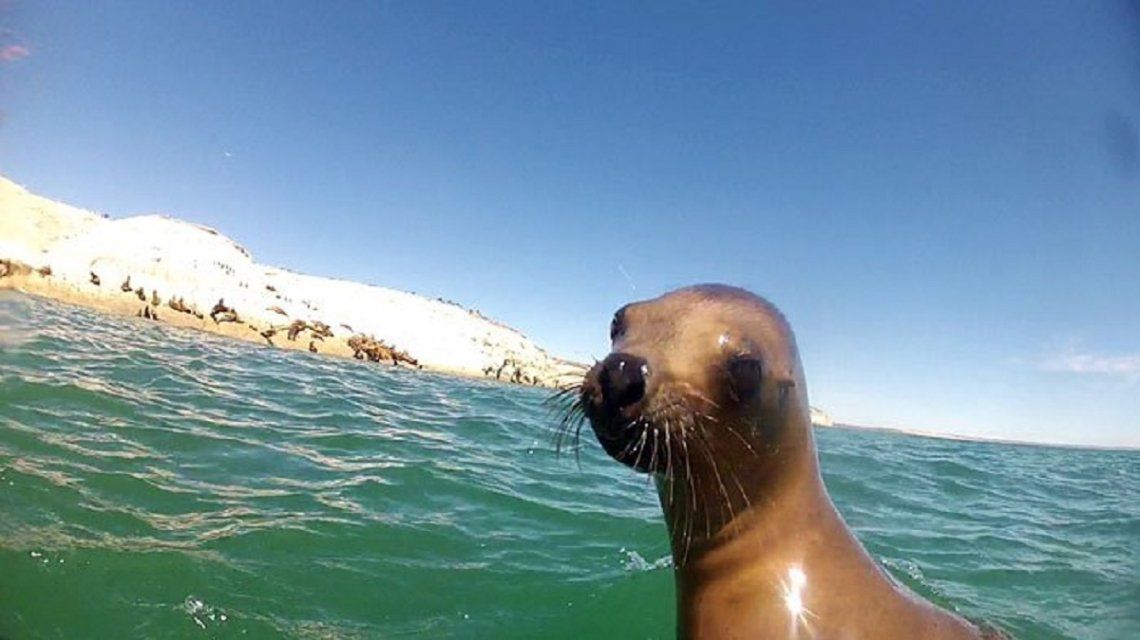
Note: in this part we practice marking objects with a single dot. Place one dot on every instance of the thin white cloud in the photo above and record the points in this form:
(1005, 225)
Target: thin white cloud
(1073, 361)
(13, 52)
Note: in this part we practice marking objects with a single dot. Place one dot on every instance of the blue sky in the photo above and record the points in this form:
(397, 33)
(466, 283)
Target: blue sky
(943, 197)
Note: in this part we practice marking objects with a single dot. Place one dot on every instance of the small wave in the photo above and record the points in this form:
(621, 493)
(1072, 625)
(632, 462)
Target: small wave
(634, 561)
(204, 615)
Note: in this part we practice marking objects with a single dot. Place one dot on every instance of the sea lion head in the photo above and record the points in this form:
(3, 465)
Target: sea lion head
(704, 389)
(708, 373)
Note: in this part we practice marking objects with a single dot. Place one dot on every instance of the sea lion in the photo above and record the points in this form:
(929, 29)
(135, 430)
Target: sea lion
(141, 294)
(312, 347)
(221, 313)
(126, 286)
(367, 347)
(320, 330)
(95, 279)
(295, 329)
(704, 389)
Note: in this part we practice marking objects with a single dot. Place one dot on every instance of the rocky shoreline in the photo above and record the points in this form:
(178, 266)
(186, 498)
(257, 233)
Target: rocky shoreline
(186, 275)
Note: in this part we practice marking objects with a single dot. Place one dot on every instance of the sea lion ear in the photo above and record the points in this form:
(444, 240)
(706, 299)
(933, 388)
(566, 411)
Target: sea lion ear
(778, 389)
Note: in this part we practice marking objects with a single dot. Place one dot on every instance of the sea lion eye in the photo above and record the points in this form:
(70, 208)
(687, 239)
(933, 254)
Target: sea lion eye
(617, 325)
(744, 375)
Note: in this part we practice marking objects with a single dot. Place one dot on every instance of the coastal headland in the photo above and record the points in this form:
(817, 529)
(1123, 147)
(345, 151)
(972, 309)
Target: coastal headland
(167, 270)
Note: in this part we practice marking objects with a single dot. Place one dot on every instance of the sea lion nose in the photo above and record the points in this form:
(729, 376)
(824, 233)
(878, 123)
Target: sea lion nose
(622, 379)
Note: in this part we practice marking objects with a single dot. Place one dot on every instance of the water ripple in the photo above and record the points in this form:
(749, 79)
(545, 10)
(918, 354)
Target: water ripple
(181, 485)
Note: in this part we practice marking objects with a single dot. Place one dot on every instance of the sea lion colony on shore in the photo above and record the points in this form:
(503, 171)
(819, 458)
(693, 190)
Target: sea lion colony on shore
(363, 347)
(514, 370)
(369, 348)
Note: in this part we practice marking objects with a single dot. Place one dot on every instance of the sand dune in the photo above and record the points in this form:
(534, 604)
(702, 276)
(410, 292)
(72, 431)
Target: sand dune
(178, 273)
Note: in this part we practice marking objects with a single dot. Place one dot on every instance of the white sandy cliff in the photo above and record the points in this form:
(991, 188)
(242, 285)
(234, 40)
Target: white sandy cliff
(821, 418)
(178, 272)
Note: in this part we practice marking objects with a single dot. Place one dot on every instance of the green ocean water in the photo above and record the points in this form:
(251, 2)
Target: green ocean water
(158, 483)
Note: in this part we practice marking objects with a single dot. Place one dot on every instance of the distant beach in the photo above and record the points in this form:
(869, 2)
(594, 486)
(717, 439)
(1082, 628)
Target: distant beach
(187, 275)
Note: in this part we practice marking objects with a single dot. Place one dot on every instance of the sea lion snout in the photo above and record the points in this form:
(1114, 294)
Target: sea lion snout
(621, 380)
(612, 397)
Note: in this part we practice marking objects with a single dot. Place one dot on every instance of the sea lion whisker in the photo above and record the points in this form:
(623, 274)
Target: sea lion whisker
(688, 464)
(561, 423)
(572, 416)
(641, 442)
(628, 448)
(560, 437)
(686, 515)
(743, 441)
(691, 483)
(572, 388)
(708, 524)
(702, 396)
(653, 444)
(633, 442)
(743, 493)
(578, 445)
(571, 392)
(707, 450)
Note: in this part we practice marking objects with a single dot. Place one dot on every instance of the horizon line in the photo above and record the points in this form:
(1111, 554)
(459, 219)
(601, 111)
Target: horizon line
(935, 435)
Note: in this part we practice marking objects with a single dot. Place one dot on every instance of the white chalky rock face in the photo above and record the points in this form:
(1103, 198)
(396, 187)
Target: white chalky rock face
(158, 253)
(29, 224)
(179, 259)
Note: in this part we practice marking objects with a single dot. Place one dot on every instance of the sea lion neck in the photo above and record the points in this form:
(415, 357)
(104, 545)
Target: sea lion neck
(755, 488)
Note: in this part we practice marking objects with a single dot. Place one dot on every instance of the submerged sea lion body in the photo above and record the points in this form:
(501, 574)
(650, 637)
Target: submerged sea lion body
(704, 388)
